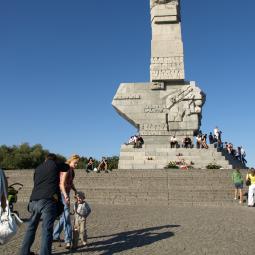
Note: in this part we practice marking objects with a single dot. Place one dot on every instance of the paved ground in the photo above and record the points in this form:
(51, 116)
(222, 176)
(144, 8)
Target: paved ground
(161, 230)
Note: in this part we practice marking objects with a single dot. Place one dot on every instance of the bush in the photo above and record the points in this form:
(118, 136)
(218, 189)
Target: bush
(213, 166)
(172, 164)
(113, 162)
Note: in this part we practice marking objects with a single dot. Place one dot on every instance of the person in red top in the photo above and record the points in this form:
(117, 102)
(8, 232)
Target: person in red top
(65, 220)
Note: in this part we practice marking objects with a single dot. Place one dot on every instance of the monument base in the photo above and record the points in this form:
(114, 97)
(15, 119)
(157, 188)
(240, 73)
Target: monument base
(158, 156)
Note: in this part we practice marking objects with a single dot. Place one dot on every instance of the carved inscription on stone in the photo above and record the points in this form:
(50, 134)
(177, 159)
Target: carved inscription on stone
(127, 97)
(167, 75)
(175, 61)
(155, 109)
(127, 102)
(167, 68)
(153, 127)
(145, 132)
(157, 86)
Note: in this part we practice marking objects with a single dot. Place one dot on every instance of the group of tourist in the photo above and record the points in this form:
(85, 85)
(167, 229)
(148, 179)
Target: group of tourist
(187, 142)
(136, 140)
(215, 138)
(238, 181)
(50, 199)
(102, 166)
(238, 153)
(201, 142)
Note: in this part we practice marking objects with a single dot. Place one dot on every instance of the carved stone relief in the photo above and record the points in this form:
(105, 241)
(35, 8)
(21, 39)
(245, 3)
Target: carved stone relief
(157, 2)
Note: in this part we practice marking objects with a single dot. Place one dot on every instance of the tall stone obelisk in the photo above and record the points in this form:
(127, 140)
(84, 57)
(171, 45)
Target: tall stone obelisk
(167, 105)
(166, 45)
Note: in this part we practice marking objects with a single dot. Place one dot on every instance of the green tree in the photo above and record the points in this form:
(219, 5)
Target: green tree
(113, 162)
(23, 156)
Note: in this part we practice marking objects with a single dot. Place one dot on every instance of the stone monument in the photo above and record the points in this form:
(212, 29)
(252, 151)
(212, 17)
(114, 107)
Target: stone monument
(168, 104)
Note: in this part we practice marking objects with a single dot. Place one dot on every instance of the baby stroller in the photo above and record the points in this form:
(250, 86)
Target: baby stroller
(13, 191)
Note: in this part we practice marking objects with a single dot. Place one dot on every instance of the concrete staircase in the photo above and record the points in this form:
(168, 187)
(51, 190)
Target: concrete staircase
(155, 187)
(159, 155)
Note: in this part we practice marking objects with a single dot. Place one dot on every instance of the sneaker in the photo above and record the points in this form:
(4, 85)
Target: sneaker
(235, 198)
(68, 246)
(240, 202)
(84, 243)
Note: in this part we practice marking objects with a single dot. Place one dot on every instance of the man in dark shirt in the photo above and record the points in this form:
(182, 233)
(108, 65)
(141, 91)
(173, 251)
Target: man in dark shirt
(44, 203)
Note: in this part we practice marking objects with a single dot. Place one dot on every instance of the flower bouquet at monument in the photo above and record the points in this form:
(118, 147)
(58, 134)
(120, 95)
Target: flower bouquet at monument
(172, 164)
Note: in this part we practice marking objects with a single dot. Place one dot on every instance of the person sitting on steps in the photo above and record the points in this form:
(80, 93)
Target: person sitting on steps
(187, 143)
(90, 165)
(139, 142)
(203, 141)
(102, 165)
(173, 142)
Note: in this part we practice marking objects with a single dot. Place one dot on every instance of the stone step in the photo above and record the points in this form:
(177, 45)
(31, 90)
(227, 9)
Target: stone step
(133, 196)
(23, 175)
(150, 183)
(171, 152)
(130, 157)
(165, 161)
(165, 187)
(142, 166)
(167, 158)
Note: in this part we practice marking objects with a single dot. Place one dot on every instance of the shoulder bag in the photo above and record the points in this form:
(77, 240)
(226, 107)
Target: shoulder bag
(8, 220)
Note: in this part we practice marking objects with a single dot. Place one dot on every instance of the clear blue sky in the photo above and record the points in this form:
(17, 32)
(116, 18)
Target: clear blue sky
(62, 61)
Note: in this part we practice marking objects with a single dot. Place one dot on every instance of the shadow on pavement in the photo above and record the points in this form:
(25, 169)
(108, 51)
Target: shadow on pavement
(126, 240)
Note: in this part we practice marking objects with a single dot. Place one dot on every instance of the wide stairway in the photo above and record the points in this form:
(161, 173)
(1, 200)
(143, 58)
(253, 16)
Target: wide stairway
(149, 187)
(159, 155)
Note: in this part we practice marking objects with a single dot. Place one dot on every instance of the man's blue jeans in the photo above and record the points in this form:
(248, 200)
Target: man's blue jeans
(64, 223)
(46, 210)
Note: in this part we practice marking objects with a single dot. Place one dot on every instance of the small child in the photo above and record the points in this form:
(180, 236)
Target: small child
(81, 212)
